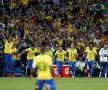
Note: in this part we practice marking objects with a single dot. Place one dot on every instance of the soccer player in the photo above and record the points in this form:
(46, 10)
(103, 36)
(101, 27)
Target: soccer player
(72, 53)
(60, 54)
(30, 56)
(91, 52)
(8, 55)
(44, 64)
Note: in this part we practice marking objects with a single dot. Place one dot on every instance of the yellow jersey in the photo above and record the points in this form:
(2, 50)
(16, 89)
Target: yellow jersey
(57, 25)
(72, 54)
(70, 28)
(59, 41)
(8, 47)
(24, 2)
(49, 53)
(90, 54)
(80, 44)
(31, 53)
(60, 55)
(43, 62)
(94, 48)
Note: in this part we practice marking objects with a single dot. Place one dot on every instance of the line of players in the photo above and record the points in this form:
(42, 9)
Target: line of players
(59, 55)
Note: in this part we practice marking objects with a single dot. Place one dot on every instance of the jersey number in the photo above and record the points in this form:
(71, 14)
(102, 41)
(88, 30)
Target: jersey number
(42, 66)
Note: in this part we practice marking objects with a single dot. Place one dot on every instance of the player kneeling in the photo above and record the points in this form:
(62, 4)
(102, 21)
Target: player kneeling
(44, 64)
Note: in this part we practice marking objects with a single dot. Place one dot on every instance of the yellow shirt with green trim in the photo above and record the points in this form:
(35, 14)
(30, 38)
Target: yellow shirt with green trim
(72, 54)
(43, 62)
(31, 53)
(60, 55)
(90, 54)
(8, 47)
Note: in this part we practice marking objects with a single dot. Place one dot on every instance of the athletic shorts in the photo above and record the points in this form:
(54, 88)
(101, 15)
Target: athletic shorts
(59, 64)
(50, 83)
(8, 58)
(72, 64)
(29, 63)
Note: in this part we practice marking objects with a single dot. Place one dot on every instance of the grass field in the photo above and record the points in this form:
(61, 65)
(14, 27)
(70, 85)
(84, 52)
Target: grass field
(61, 84)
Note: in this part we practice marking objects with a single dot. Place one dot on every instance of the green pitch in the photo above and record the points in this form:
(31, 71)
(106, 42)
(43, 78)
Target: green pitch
(61, 84)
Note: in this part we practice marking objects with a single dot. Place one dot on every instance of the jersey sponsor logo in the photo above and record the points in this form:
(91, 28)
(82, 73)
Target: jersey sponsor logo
(67, 71)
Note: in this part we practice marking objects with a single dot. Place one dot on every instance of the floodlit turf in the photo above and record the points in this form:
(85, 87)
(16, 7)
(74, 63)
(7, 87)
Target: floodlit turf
(61, 84)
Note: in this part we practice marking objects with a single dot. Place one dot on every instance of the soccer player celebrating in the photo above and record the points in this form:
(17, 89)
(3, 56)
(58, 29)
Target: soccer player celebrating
(60, 54)
(8, 55)
(91, 52)
(72, 53)
(44, 65)
(30, 56)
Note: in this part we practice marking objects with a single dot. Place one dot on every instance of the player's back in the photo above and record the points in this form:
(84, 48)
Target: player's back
(44, 62)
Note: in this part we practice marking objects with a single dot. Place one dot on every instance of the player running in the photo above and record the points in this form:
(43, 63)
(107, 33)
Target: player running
(30, 56)
(44, 64)
(72, 53)
(91, 52)
(60, 54)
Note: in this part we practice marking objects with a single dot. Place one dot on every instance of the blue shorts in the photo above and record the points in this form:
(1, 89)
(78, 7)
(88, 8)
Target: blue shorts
(50, 83)
(90, 63)
(8, 58)
(59, 64)
(13, 62)
(29, 63)
(72, 64)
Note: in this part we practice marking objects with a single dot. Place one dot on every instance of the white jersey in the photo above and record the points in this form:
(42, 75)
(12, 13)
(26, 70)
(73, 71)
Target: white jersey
(103, 53)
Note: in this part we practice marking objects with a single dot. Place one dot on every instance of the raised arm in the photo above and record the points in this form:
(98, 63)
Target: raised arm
(4, 36)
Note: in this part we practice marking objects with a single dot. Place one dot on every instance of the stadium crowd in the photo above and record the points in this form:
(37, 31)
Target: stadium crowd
(74, 31)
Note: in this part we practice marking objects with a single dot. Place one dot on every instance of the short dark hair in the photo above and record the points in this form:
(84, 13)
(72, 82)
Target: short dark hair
(91, 43)
(43, 47)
